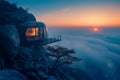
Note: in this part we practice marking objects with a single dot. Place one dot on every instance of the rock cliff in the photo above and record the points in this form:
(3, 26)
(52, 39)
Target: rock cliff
(18, 62)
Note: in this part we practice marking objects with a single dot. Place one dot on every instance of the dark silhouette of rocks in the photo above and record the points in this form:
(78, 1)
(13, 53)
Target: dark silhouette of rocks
(9, 74)
(10, 13)
(9, 43)
(18, 62)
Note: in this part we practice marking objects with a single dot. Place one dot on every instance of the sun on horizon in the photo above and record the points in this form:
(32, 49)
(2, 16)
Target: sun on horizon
(95, 29)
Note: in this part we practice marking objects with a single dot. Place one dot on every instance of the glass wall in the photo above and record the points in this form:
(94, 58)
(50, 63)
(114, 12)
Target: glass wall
(32, 33)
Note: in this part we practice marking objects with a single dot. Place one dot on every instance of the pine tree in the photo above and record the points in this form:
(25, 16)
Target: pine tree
(62, 56)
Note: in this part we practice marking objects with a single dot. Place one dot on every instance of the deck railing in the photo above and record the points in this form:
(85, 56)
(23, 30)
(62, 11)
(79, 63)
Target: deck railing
(50, 40)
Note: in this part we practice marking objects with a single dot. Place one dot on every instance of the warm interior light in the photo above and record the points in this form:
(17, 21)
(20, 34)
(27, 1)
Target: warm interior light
(36, 31)
(32, 32)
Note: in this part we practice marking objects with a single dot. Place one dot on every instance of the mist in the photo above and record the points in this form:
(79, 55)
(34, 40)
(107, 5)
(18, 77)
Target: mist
(100, 51)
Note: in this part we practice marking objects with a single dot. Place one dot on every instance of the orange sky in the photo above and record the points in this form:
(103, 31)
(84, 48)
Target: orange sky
(105, 15)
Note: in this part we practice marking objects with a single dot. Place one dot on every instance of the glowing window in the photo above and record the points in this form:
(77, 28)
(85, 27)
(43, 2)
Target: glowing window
(32, 32)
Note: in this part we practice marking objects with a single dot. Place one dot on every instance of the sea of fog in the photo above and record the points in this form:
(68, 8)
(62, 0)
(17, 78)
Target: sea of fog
(100, 51)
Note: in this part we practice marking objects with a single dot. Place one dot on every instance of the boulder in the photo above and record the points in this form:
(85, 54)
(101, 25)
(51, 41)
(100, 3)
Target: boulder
(9, 74)
(9, 43)
(10, 31)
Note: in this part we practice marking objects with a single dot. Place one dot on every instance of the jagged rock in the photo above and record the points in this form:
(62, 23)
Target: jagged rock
(21, 16)
(9, 43)
(52, 78)
(30, 17)
(5, 9)
(9, 13)
(32, 76)
(6, 6)
(34, 63)
(11, 32)
(23, 60)
(9, 74)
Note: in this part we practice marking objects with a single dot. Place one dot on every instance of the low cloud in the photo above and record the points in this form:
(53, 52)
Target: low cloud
(100, 57)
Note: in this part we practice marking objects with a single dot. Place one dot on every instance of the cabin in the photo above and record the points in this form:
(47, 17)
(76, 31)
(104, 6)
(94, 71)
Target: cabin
(32, 33)
(35, 31)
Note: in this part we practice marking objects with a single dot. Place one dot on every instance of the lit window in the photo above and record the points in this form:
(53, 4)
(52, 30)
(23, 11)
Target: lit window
(36, 32)
(32, 32)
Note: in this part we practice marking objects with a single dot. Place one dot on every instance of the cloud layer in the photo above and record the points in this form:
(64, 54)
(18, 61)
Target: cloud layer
(100, 51)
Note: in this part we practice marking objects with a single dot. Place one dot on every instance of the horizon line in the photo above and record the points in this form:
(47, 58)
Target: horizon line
(84, 26)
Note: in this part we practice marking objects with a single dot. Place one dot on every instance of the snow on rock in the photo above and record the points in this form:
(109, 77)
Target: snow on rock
(52, 78)
(9, 74)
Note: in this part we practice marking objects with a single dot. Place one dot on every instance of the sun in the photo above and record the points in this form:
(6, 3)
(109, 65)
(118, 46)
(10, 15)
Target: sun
(95, 29)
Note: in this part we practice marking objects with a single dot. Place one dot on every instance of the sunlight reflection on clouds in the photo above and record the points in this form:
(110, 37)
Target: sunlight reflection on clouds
(100, 56)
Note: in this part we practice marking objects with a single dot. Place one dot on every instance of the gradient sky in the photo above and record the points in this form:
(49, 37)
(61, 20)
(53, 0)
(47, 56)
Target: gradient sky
(74, 12)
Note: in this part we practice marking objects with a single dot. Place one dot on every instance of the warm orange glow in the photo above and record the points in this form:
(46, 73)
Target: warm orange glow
(36, 31)
(32, 32)
(101, 16)
(95, 29)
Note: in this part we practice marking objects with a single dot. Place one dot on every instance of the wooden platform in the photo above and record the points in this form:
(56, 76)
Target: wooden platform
(50, 40)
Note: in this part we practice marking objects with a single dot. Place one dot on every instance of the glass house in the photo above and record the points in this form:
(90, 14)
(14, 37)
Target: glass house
(36, 31)
(32, 33)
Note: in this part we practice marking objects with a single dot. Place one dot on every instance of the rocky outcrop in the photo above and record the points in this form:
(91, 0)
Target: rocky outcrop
(11, 17)
(31, 62)
(11, 54)
(11, 32)
(9, 43)
(9, 74)
(10, 13)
